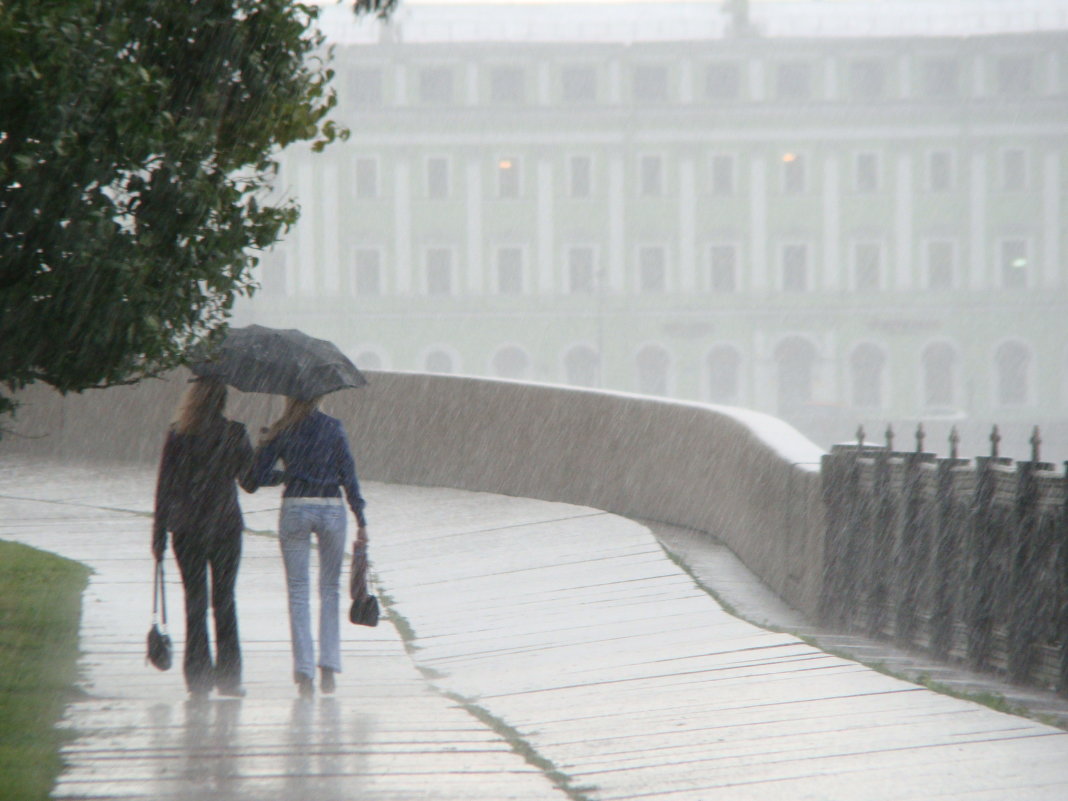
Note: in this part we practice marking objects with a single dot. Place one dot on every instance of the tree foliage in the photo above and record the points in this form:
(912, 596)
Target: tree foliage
(137, 147)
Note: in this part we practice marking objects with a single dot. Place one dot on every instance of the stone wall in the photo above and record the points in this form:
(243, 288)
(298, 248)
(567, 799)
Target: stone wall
(747, 479)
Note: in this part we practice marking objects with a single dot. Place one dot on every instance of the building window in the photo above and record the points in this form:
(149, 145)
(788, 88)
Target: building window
(652, 269)
(437, 178)
(580, 176)
(867, 80)
(939, 376)
(794, 268)
(939, 78)
(507, 86)
(940, 171)
(508, 177)
(1014, 76)
(653, 363)
(438, 361)
(1013, 170)
(1014, 264)
(511, 362)
(650, 84)
(723, 175)
(794, 81)
(436, 85)
(651, 176)
(793, 173)
(1012, 362)
(578, 84)
(795, 361)
(723, 81)
(439, 271)
(580, 270)
(866, 173)
(941, 264)
(365, 87)
(582, 367)
(366, 178)
(866, 366)
(273, 271)
(368, 360)
(368, 272)
(724, 367)
(723, 268)
(867, 267)
(510, 271)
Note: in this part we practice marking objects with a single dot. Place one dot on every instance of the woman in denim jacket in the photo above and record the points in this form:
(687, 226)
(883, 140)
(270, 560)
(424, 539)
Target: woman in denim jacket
(318, 464)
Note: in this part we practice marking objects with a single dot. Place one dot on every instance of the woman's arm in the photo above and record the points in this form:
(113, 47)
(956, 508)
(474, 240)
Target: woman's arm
(346, 469)
(261, 473)
(164, 496)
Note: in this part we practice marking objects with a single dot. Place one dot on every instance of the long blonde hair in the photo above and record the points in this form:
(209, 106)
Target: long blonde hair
(201, 404)
(295, 411)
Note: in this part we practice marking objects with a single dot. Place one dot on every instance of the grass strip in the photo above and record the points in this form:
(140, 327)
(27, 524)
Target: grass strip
(40, 610)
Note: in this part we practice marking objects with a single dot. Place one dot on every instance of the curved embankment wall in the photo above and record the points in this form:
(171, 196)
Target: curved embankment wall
(748, 479)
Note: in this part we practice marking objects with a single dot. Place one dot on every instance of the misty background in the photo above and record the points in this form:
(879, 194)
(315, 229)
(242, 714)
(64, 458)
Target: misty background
(843, 212)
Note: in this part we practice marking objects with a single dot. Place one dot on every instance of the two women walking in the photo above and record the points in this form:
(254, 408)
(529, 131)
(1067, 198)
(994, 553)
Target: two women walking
(205, 458)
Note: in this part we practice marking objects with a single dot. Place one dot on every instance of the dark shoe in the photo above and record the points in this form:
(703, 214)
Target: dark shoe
(231, 690)
(199, 693)
(305, 685)
(326, 682)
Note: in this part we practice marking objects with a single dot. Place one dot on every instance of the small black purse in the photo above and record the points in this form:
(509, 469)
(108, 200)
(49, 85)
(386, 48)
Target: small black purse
(364, 609)
(160, 649)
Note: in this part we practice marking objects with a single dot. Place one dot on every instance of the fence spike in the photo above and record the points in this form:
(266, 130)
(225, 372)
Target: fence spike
(920, 434)
(954, 441)
(995, 438)
(889, 437)
(1036, 445)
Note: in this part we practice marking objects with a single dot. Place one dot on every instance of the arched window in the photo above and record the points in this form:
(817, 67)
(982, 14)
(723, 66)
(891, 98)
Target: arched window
(939, 375)
(368, 360)
(724, 374)
(652, 363)
(1013, 364)
(511, 362)
(866, 366)
(795, 361)
(582, 366)
(438, 361)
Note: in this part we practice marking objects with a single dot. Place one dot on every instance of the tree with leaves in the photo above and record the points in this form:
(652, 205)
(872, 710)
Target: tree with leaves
(137, 152)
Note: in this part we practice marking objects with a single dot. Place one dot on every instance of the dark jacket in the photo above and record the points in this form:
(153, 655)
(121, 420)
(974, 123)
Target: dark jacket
(317, 459)
(197, 486)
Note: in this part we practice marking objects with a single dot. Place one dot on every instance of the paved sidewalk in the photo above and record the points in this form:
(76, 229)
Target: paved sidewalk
(535, 650)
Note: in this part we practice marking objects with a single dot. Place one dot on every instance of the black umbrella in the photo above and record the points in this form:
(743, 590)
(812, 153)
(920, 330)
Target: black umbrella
(279, 361)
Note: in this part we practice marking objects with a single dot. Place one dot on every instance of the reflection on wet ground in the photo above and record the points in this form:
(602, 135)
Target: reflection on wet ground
(534, 650)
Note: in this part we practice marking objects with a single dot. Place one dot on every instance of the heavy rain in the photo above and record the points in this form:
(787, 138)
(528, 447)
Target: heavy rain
(651, 399)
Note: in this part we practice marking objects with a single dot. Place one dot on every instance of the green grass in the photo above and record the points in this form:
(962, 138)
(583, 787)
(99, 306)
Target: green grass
(40, 608)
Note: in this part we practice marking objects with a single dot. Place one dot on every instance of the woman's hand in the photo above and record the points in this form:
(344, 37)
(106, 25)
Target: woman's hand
(361, 534)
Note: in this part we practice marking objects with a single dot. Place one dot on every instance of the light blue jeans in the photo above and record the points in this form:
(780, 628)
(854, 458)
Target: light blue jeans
(300, 518)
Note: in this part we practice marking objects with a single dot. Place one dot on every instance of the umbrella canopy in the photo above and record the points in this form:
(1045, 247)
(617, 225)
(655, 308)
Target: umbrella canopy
(279, 361)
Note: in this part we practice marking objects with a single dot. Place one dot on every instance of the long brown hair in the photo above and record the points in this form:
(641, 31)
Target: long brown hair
(295, 411)
(201, 405)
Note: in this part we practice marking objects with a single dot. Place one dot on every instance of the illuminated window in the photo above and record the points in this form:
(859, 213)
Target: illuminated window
(508, 177)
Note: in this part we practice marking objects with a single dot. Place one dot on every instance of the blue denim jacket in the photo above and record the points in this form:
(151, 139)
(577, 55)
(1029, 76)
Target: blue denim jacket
(317, 459)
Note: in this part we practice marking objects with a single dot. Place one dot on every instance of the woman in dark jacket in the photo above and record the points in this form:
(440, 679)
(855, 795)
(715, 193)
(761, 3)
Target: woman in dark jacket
(318, 465)
(204, 457)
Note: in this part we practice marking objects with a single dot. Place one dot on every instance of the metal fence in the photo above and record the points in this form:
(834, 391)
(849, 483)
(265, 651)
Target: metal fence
(964, 558)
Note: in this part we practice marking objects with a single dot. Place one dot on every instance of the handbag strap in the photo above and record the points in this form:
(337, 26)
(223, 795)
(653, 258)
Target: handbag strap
(159, 594)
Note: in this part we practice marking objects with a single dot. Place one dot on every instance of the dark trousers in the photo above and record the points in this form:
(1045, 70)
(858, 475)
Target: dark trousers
(197, 553)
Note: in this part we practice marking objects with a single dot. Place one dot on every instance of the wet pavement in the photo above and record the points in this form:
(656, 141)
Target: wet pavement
(532, 650)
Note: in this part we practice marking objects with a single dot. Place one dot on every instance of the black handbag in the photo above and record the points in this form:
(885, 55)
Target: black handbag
(160, 649)
(364, 609)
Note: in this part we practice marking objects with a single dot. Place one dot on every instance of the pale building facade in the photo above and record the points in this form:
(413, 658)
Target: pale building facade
(835, 220)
